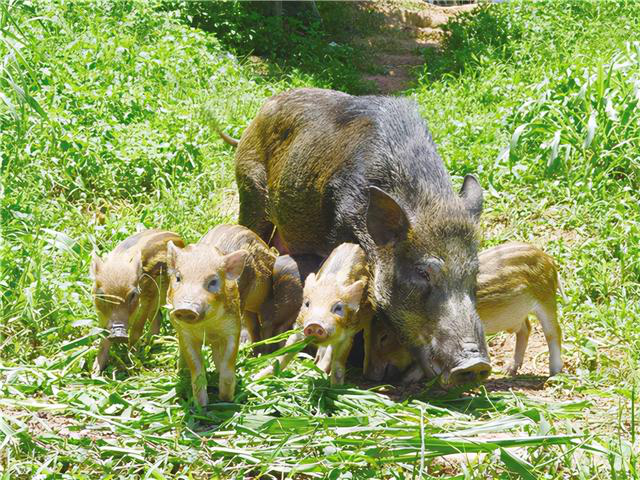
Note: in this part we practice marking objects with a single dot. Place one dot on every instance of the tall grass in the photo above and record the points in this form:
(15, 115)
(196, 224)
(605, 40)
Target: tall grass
(104, 130)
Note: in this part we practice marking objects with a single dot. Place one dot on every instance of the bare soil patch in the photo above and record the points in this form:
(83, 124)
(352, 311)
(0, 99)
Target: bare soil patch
(408, 26)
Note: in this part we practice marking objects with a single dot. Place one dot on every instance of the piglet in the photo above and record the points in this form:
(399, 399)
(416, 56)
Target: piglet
(216, 286)
(129, 286)
(335, 307)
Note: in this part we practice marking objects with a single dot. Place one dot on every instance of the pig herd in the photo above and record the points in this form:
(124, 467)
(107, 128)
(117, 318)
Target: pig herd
(348, 223)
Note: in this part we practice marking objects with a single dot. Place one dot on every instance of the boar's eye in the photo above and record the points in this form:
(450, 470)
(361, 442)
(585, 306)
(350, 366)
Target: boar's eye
(213, 285)
(306, 303)
(178, 277)
(338, 309)
(430, 269)
(423, 271)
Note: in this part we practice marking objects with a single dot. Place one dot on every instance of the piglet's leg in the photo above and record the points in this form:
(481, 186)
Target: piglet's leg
(339, 361)
(224, 356)
(367, 367)
(252, 325)
(283, 360)
(323, 358)
(522, 338)
(548, 316)
(146, 310)
(162, 299)
(103, 356)
(191, 350)
(320, 353)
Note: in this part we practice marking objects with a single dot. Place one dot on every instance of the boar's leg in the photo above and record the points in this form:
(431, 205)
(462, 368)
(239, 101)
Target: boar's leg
(522, 338)
(103, 356)
(546, 311)
(191, 352)
(224, 356)
(320, 353)
(251, 179)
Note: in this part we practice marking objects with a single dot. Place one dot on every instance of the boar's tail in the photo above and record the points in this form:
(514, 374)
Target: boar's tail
(228, 139)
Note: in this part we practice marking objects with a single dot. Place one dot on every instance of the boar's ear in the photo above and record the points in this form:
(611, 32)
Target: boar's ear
(96, 265)
(172, 255)
(471, 193)
(386, 220)
(234, 264)
(352, 295)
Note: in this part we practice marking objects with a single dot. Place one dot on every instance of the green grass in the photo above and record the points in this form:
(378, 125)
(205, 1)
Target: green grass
(104, 128)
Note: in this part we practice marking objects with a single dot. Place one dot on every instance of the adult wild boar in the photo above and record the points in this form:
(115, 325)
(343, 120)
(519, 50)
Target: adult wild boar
(324, 168)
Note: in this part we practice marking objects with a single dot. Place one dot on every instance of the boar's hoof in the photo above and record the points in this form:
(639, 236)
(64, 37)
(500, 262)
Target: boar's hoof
(315, 330)
(473, 371)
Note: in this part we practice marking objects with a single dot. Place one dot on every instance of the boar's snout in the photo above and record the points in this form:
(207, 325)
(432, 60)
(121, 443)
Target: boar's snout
(315, 330)
(119, 333)
(187, 312)
(475, 370)
(463, 366)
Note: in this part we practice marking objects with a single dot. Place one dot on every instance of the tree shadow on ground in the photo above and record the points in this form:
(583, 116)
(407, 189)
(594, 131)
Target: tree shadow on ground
(483, 35)
(298, 43)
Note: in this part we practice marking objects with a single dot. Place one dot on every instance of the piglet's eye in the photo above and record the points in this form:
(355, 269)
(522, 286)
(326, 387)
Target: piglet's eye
(133, 296)
(178, 277)
(214, 285)
(338, 309)
(306, 304)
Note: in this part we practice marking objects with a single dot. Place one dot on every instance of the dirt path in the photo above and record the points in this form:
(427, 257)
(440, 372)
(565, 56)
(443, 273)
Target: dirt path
(408, 27)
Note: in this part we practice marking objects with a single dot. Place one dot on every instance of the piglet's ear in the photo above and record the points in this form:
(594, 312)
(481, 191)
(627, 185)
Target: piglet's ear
(96, 265)
(234, 264)
(310, 281)
(172, 255)
(352, 295)
(137, 261)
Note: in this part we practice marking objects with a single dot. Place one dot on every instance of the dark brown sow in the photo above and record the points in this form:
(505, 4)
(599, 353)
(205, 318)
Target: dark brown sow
(320, 168)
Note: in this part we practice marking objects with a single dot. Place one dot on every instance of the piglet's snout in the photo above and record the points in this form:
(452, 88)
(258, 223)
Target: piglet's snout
(187, 312)
(315, 330)
(119, 333)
